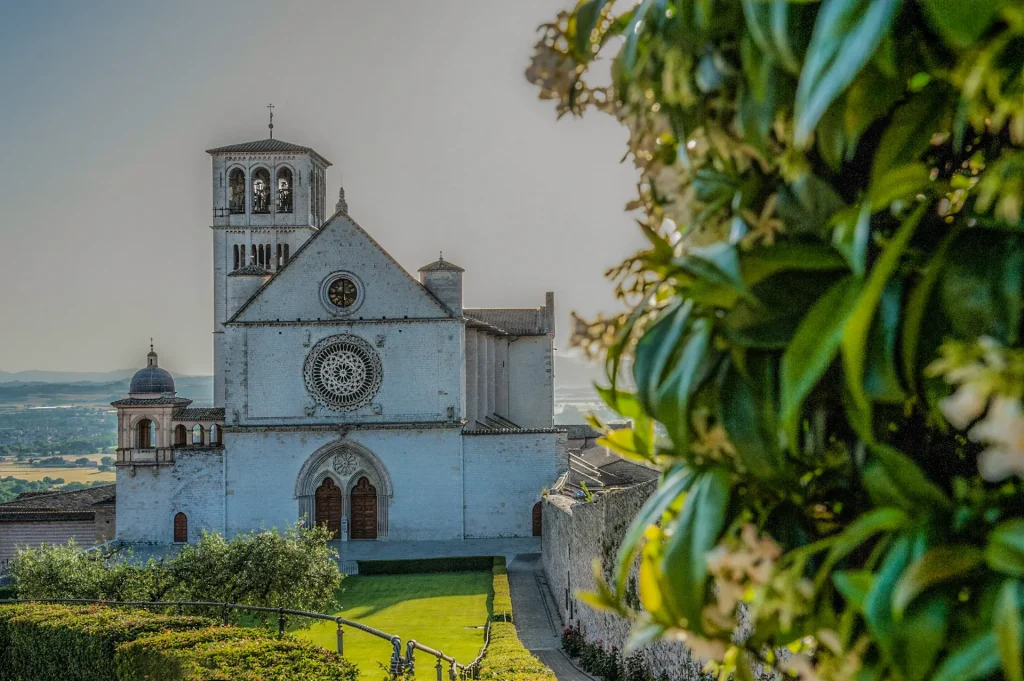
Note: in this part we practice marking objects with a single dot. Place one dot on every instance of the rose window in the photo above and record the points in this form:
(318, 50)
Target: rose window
(343, 372)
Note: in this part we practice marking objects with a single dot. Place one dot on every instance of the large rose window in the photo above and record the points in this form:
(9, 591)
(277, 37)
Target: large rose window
(343, 372)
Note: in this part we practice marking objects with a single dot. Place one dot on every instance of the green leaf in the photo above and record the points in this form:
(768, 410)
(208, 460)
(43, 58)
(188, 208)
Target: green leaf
(1005, 549)
(881, 377)
(859, 531)
(870, 97)
(813, 348)
(676, 482)
(807, 205)
(717, 263)
(910, 132)
(1006, 622)
(921, 635)
(855, 337)
(672, 403)
(695, 532)
(854, 586)
(654, 350)
(585, 19)
(627, 56)
(878, 604)
(781, 302)
(905, 484)
(846, 35)
(976, 659)
(851, 233)
(961, 23)
(981, 287)
(764, 261)
(746, 409)
(899, 183)
(941, 564)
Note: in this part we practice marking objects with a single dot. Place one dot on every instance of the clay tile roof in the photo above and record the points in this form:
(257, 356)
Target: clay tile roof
(441, 265)
(516, 321)
(199, 414)
(250, 269)
(60, 502)
(267, 145)
(580, 431)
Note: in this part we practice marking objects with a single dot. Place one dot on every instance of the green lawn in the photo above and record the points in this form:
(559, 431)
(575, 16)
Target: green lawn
(445, 610)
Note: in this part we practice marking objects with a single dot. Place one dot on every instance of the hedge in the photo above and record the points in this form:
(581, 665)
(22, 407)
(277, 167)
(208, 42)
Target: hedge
(506, 659)
(406, 567)
(40, 642)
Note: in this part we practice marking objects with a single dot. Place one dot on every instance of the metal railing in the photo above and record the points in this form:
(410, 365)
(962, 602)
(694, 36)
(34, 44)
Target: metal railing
(397, 665)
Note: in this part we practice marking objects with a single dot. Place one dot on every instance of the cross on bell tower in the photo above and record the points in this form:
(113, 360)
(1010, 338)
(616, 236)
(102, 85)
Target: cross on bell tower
(271, 126)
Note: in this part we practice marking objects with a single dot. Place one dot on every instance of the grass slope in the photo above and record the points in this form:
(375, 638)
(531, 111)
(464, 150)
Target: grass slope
(444, 610)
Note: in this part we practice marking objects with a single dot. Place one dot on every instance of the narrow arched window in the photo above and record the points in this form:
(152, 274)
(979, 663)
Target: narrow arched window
(236, 187)
(280, 255)
(261, 191)
(252, 260)
(284, 190)
(180, 528)
(237, 258)
(180, 436)
(259, 254)
(215, 434)
(145, 434)
(269, 255)
(197, 434)
(286, 252)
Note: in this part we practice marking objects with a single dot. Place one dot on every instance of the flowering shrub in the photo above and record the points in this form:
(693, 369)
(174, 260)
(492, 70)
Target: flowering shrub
(822, 347)
(572, 640)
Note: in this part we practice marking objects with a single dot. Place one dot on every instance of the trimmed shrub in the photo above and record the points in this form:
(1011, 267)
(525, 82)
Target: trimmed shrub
(62, 643)
(501, 606)
(41, 642)
(506, 658)
(406, 567)
(229, 654)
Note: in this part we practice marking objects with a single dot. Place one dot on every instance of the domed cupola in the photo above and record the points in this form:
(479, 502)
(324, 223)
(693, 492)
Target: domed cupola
(152, 380)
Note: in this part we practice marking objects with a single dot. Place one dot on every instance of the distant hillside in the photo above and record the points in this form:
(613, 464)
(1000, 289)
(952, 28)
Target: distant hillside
(36, 376)
(197, 388)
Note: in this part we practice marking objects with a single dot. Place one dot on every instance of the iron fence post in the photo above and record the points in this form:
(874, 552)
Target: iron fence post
(280, 622)
(224, 614)
(341, 640)
(439, 670)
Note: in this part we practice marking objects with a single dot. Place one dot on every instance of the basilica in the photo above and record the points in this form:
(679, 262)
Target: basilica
(347, 392)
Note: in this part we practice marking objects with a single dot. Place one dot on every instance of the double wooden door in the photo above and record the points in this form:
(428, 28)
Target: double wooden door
(328, 507)
(363, 511)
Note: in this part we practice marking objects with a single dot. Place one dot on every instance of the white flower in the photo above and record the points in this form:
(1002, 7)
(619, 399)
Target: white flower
(1003, 430)
(965, 405)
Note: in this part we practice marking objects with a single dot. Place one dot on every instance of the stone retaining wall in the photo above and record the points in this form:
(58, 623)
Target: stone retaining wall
(575, 534)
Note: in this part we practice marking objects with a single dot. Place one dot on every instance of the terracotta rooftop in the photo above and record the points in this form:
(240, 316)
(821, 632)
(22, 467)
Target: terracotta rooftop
(266, 145)
(77, 505)
(527, 321)
(199, 414)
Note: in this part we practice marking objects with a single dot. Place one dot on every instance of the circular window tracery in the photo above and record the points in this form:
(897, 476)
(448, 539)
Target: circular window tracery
(343, 372)
(341, 293)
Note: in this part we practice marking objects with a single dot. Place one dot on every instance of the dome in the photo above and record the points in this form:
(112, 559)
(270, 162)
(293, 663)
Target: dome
(152, 379)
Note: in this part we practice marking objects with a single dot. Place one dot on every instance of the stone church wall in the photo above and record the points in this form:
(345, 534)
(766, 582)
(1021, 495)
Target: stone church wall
(505, 475)
(148, 501)
(423, 364)
(531, 376)
(424, 466)
(577, 533)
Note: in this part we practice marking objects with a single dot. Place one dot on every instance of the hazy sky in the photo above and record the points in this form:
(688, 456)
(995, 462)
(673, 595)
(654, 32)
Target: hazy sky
(107, 107)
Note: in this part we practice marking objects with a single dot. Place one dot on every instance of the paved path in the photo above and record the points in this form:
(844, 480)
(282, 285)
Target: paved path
(536, 617)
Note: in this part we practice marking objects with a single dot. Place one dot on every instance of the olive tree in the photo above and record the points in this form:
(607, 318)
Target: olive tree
(822, 346)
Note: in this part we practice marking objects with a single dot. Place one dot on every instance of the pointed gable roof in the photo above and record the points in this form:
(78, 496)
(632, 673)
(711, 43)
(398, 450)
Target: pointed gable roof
(338, 226)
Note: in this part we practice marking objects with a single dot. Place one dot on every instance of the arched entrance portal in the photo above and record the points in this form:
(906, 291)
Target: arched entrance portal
(364, 510)
(327, 510)
(538, 523)
(358, 478)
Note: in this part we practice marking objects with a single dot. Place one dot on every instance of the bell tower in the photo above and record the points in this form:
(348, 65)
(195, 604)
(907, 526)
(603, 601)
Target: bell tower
(269, 196)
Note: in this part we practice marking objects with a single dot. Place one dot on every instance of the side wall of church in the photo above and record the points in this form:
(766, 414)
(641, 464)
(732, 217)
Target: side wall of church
(531, 382)
(148, 501)
(422, 373)
(424, 465)
(506, 474)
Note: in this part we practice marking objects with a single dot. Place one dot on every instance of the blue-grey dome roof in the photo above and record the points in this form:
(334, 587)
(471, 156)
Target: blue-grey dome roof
(152, 379)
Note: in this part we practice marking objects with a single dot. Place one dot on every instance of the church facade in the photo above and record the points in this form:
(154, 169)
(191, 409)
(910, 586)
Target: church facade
(346, 392)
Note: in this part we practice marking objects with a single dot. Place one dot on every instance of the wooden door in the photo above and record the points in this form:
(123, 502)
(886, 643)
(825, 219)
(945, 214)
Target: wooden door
(180, 529)
(328, 507)
(364, 510)
(538, 525)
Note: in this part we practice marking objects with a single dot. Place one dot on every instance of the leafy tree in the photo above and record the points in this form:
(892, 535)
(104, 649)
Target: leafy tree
(826, 328)
(294, 569)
